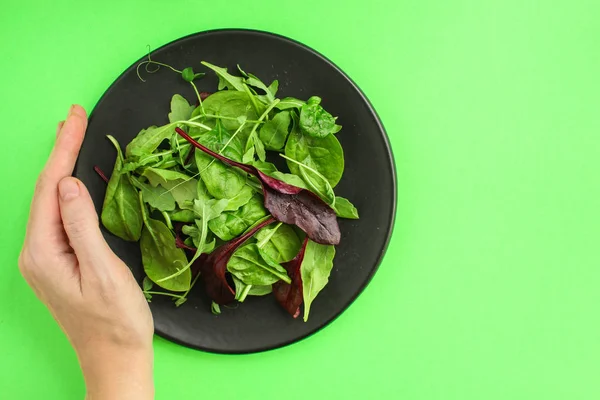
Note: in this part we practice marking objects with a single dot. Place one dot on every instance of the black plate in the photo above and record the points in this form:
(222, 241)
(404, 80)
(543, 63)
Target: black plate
(369, 180)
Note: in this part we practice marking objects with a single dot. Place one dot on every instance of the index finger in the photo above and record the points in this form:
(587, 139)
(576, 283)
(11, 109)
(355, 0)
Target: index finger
(60, 164)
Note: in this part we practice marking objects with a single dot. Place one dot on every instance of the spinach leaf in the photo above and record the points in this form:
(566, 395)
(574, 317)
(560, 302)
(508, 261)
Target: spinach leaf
(247, 265)
(161, 258)
(290, 102)
(241, 199)
(148, 140)
(121, 213)
(226, 80)
(315, 270)
(158, 197)
(274, 133)
(221, 181)
(230, 224)
(281, 243)
(315, 121)
(183, 216)
(220, 140)
(317, 183)
(180, 109)
(234, 107)
(344, 209)
(325, 155)
(242, 290)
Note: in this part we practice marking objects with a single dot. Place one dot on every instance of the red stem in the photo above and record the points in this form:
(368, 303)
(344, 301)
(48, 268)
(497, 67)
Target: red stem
(219, 157)
(100, 173)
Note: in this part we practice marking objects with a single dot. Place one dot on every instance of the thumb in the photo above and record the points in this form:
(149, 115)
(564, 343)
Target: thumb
(80, 221)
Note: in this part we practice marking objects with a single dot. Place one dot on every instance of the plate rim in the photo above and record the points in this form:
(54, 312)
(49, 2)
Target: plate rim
(388, 149)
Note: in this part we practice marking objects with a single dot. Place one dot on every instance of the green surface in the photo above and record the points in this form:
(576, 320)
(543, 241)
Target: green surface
(491, 286)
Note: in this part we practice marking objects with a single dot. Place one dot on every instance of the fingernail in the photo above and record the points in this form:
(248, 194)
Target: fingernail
(71, 109)
(59, 127)
(68, 189)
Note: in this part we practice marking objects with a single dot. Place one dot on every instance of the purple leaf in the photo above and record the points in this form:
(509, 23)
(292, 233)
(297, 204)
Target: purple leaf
(287, 203)
(213, 266)
(290, 295)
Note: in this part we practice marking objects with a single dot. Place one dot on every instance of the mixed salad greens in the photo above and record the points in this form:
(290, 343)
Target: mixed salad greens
(202, 199)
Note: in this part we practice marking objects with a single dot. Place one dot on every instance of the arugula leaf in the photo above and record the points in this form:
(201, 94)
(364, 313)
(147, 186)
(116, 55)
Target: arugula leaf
(180, 109)
(180, 186)
(161, 258)
(290, 102)
(344, 209)
(158, 197)
(325, 155)
(121, 213)
(148, 140)
(274, 133)
(247, 265)
(315, 270)
(226, 80)
(315, 121)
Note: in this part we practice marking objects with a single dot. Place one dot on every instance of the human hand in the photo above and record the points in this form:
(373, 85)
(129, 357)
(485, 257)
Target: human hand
(90, 292)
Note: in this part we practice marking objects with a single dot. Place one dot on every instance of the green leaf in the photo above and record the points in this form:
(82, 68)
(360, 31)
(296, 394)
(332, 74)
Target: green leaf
(180, 109)
(148, 140)
(247, 265)
(215, 308)
(183, 216)
(242, 290)
(315, 270)
(147, 284)
(226, 80)
(182, 187)
(205, 210)
(344, 209)
(281, 243)
(221, 141)
(290, 102)
(231, 224)
(161, 258)
(242, 198)
(221, 181)
(274, 133)
(315, 121)
(230, 104)
(121, 213)
(158, 197)
(270, 169)
(325, 155)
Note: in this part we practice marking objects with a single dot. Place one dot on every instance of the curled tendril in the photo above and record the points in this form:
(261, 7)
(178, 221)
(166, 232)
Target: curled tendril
(150, 62)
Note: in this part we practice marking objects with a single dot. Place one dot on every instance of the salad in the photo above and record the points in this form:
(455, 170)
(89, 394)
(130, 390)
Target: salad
(207, 206)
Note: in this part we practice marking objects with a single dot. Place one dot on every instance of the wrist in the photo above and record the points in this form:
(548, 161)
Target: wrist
(117, 372)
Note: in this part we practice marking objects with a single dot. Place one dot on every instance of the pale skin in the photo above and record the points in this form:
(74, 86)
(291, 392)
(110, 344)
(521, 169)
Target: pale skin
(90, 292)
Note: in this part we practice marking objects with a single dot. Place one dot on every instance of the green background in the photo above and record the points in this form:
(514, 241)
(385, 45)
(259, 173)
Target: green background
(490, 287)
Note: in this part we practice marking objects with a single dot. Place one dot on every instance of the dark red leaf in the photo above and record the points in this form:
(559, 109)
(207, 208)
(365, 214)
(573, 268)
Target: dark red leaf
(214, 266)
(287, 203)
(289, 295)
